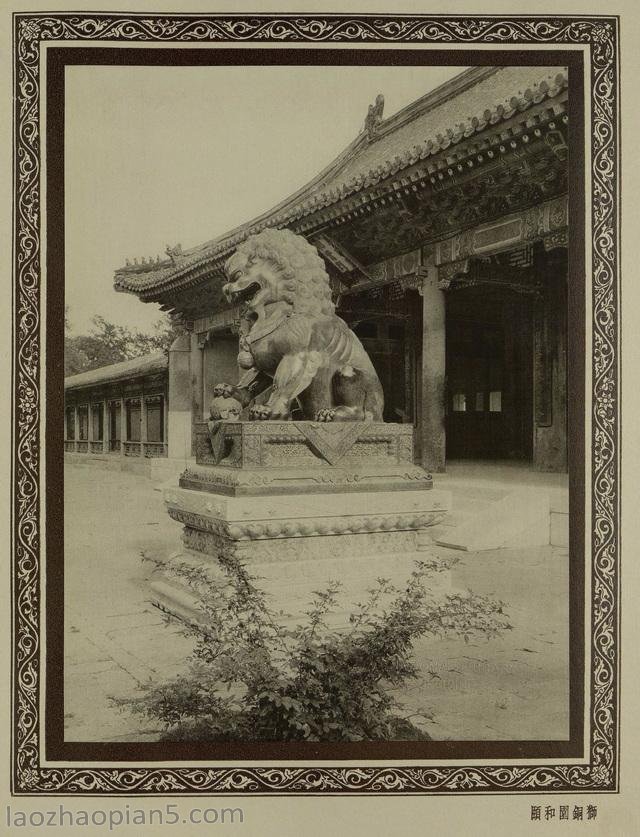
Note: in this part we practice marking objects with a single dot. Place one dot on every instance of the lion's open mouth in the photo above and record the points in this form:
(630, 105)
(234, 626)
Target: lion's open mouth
(241, 294)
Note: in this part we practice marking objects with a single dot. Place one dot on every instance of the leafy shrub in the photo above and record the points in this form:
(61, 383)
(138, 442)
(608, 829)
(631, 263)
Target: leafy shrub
(253, 678)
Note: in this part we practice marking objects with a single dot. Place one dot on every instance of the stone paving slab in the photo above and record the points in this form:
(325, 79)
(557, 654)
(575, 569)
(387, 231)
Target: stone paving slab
(514, 687)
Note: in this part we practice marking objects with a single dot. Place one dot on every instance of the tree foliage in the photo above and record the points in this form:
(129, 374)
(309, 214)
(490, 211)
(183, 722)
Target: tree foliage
(254, 677)
(109, 343)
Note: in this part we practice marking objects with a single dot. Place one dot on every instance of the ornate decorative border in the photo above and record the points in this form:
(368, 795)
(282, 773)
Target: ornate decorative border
(601, 35)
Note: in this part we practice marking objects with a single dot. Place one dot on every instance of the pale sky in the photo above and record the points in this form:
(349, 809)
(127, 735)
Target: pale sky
(167, 155)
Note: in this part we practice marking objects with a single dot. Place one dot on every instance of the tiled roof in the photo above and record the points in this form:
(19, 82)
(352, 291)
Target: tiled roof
(472, 103)
(135, 368)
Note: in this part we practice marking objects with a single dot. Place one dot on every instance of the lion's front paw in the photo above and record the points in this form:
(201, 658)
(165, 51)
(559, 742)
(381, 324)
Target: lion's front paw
(260, 412)
(328, 414)
(223, 391)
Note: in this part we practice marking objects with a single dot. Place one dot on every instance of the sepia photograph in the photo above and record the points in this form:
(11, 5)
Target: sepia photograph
(349, 406)
(323, 372)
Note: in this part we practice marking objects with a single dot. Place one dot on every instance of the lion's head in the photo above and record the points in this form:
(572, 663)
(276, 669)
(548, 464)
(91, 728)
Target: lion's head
(279, 266)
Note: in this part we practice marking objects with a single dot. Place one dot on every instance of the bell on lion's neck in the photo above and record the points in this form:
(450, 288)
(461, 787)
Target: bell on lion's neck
(245, 360)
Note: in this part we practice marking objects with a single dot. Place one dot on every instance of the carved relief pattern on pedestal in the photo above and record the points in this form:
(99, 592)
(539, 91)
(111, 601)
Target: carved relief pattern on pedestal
(193, 520)
(208, 543)
(228, 480)
(318, 549)
(204, 453)
(305, 527)
(284, 450)
(598, 769)
(207, 504)
(251, 450)
(405, 449)
(302, 443)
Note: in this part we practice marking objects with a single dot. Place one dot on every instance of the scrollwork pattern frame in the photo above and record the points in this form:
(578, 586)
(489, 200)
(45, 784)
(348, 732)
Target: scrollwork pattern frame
(600, 34)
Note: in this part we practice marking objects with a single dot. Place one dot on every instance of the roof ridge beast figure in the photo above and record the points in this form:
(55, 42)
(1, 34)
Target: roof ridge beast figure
(290, 336)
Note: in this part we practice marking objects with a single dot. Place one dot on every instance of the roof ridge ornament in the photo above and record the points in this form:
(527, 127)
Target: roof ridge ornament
(165, 275)
(174, 253)
(374, 117)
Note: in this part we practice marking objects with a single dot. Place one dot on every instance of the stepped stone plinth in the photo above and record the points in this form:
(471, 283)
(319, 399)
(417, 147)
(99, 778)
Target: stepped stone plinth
(302, 503)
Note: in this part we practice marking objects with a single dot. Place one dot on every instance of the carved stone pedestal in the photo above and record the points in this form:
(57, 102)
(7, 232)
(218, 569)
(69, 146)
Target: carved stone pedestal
(304, 503)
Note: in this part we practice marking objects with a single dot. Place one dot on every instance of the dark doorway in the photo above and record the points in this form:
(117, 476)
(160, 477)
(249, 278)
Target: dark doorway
(385, 341)
(489, 402)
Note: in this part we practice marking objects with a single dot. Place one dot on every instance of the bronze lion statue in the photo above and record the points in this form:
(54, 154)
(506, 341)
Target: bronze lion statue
(291, 338)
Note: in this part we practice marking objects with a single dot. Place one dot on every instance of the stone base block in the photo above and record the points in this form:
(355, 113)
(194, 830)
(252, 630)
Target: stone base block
(302, 504)
(290, 582)
(306, 525)
(296, 544)
(267, 458)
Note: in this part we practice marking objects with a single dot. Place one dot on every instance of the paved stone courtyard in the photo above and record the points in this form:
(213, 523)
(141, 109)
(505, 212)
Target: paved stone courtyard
(514, 687)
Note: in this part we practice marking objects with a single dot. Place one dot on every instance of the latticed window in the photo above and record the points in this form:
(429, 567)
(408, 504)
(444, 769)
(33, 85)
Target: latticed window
(155, 419)
(459, 402)
(495, 401)
(70, 423)
(83, 423)
(114, 421)
(134, 420)
(97, 422)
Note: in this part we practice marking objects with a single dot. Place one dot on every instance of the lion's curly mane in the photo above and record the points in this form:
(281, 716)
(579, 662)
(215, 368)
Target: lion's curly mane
(306, 282)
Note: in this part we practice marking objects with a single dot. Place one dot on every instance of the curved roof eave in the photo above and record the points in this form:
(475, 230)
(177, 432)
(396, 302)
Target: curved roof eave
(152, 282)
(135, 368)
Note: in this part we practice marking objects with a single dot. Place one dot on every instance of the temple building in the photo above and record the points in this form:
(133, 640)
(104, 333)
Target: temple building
(444, 233)
(117, 414)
